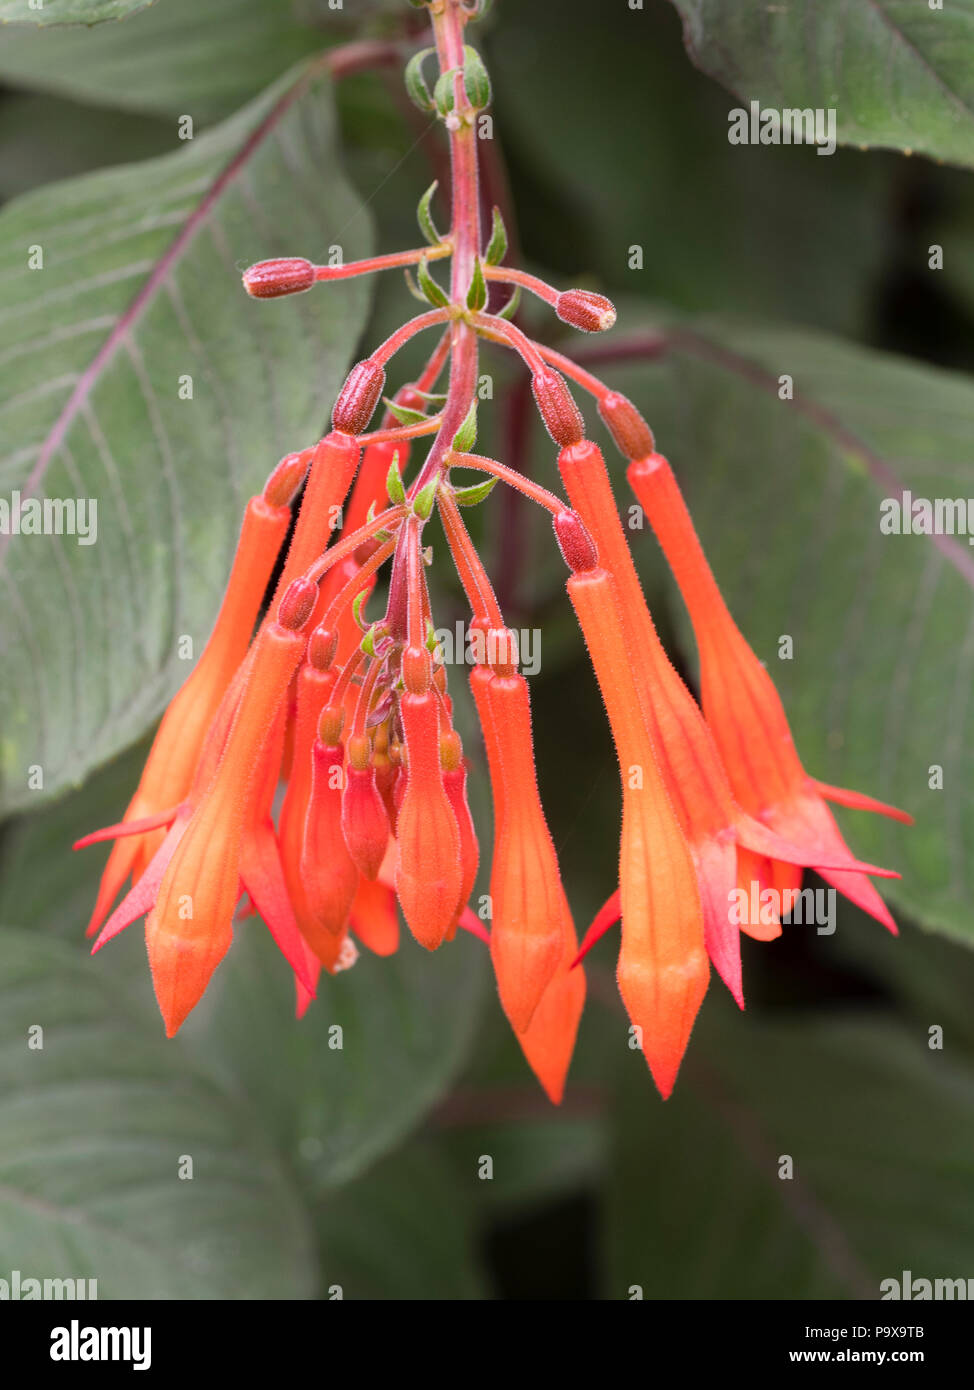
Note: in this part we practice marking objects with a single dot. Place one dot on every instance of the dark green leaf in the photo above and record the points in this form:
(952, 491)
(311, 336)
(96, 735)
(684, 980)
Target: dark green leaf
(898, 75)
(497, 245)
(139, 300)
(67, 11)
(100, 1122)
(425, 218)
(416, 82)
(880, 1131)
(431, 290)
(475, 80)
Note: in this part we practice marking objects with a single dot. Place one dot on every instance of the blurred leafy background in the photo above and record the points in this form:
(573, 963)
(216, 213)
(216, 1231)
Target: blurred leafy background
(360, 1168)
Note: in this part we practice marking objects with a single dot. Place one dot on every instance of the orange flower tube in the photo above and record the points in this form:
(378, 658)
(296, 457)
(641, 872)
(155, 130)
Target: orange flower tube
(744, 710)
(530, 917)
(190, 928)
(663, 967)
(429, 871)
(169, 768)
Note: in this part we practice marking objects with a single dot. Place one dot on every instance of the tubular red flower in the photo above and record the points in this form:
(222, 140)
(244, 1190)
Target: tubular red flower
(454, 772)
(663, 968)
(530, 917)
(365, 824)
(716, 828)
(189, 928)
(169, 768)
(744, 710)
(429, 872)
(328, 872)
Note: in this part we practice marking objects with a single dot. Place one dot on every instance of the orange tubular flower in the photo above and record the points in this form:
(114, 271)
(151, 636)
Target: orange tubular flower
(530, 917)
(328, 872)
(716, 828)
(744, 710)
(169, 768)
(190, 927)
(455, 782)
(663, 967)
(429, 872)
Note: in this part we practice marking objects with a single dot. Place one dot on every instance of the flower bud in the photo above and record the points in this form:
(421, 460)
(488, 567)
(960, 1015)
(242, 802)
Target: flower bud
(576, 545)
(297, 604)
(630, 432)
(561, 416)
(287, 477)
(417, 670)
(365, 824)
(358, 397)
(271, 279)
(322, 647)
(592, 313)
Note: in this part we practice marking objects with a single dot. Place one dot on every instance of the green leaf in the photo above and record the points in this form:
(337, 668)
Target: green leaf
(431, 290)
(406, 1021)
(139, 295)
(424, 499)
(174, 58)
(444, 93)
(475, 80)
(403, 414)
(415, 82)
(394, 488)
(497, 245)
(779, 208)
(43, 139)
(869, 1116)
(896, 75)
(405, 1230)
(67, 11)
(474, 494)
(99, 1123)
(425, 218)
(477, 293)
(466, 436)
(787, 497)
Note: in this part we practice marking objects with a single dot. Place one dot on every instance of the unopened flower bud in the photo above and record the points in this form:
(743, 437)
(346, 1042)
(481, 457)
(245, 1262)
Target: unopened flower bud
(297, 604)
(630, 432)
(592, 313)
(358, 397)
(562, 417)
(282, 485)
(271, 279)
(322, 647)
(417, 670)
(576, 545)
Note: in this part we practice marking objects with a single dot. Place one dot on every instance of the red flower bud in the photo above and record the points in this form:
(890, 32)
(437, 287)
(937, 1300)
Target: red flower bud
(365, 824)
(322, 648)
(576, 545)
(328, 873)
(630, 432)
(287, 477)
(271, 279)
(358, 397)
(297, 604)
(429, 875)
(561, 416)
(592, 313)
